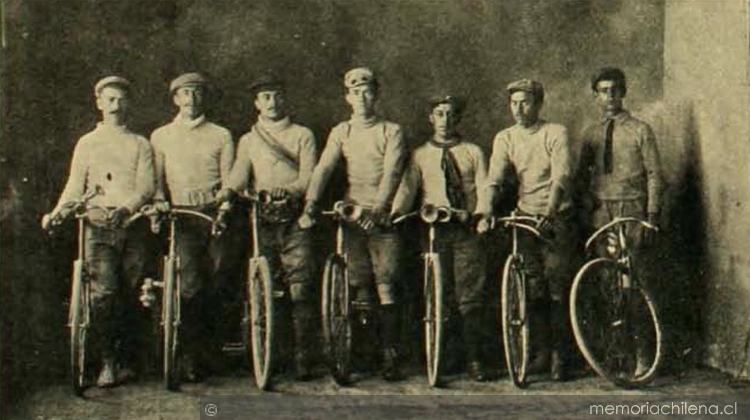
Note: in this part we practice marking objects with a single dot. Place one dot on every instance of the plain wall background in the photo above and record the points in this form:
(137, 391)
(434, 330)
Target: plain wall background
(707, 57)
(55, 51)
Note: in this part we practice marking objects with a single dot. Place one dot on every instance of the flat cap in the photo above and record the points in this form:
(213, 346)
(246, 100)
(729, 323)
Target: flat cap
(187, 79)
(111, 80)
(358, 77)
(527, 85)
(458, 103)
(266, 82)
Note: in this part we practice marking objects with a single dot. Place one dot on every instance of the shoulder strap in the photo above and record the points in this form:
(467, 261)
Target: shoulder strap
(276, 148)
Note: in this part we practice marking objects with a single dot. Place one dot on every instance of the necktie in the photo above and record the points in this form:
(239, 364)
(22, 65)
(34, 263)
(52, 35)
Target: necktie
(454, 187)
(608, 146)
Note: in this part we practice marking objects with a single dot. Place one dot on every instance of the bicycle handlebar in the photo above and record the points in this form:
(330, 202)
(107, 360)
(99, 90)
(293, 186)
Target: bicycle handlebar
(260, 197)
(615, 222)
(347, 211)
(432, 214)
(521, 222)
(217, 224)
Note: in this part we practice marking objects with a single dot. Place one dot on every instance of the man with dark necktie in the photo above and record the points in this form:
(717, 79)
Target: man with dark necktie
(449, 171)
(539, 153)
(619, 170)
(619, 164)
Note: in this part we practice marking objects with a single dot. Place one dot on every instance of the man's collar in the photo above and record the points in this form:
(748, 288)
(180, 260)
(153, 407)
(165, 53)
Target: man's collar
(271, 125)
(446, 143)
(533, 128)
(101, 125)
(618, 118)
(189, 123)
(360, 121)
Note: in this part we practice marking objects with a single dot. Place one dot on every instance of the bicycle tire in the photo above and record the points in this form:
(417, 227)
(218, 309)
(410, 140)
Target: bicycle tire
(337, 326)
(78, 323)
(260, 287)
(434, 318)
(515, 322)
(170, 324)
(601, 329)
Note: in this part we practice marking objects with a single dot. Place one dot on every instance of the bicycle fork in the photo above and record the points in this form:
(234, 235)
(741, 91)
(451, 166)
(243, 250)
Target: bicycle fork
(519, 316)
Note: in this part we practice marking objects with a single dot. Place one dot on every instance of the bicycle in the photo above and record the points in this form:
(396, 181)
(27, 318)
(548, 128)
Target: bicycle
(259, 308)
(434, 287)
(611, 310)
(336, 307)
(514, 302)
(170, 285)
(79, 313)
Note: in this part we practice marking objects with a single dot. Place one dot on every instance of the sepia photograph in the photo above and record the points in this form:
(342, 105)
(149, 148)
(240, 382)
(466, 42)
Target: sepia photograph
(374, 209)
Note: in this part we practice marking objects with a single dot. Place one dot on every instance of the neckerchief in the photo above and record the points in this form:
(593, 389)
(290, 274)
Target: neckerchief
(454, 186)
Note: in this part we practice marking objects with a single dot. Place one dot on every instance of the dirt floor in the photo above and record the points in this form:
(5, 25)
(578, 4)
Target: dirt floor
(146, 399)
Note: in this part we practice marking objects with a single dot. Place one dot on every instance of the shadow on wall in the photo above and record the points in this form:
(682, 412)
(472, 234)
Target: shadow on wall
(680, 286)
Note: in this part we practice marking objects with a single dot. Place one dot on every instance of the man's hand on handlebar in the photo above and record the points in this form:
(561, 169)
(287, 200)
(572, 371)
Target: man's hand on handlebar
(544, 226)
(161, 206)
(377, 216)
(278, 194)
(118, 216)
(54, 219)
(307, 219)
(485, 224)
(225, 195)
(648, 236)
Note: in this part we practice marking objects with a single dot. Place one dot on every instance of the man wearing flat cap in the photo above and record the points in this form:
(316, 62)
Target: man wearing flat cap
(373, 150)
(278, 156)
(539, 153)
(450, 171)
(119, 163)
(193, 159)
(620, 173)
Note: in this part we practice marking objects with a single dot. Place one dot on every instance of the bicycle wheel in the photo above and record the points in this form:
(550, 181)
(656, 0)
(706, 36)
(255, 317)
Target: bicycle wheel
(433, 320)
(170, 323)
(260, 288)
(617, 329)
(78, 322)
(337, 328)
(515, 321)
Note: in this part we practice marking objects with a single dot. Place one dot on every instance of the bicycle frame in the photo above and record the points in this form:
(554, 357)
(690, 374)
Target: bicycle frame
(433, 288)
(621, 253)
(260, 293)
(336, 307)
(79, 313)
(515, 326)
(342, 213)
(627, 287)
(170, 319)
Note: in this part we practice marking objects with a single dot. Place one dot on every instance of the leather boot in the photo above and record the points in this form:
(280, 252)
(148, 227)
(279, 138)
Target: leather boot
(192, 341)
(558, 338)
(390, 318)
(304, 334)
(472, 323)
(363, 337)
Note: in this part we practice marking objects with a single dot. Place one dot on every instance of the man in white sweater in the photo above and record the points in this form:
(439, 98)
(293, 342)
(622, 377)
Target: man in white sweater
(278, 156)
(374, 153)
(193, 159)
(119, 163)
